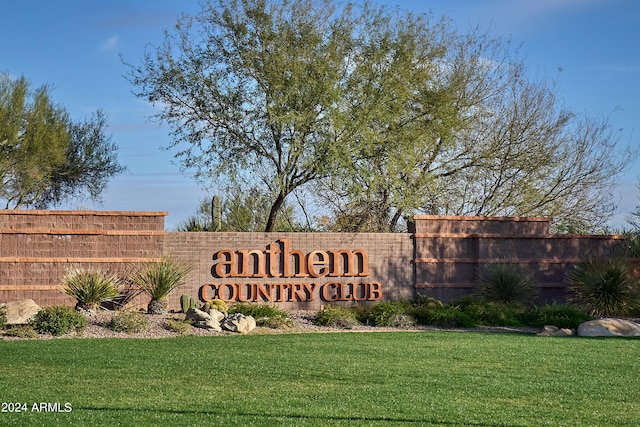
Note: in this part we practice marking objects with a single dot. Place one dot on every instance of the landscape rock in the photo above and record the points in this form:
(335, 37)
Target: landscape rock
(609, 328)
(197, 315)
(554, 331)
(211, 324)
(215, 314)
(21, 311)
(238, 322)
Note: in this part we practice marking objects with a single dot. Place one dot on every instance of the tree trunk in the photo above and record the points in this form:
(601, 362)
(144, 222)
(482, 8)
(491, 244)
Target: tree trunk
(273, 214)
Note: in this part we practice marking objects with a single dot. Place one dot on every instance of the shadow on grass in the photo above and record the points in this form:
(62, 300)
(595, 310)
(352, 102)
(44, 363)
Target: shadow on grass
(318, 418)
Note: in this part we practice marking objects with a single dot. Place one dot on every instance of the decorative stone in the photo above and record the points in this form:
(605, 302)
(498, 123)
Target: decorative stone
(554, 331)
(211, 324)
(609, 328)
(215, 314)
(197, 315)
(20, 312)
(238, 322)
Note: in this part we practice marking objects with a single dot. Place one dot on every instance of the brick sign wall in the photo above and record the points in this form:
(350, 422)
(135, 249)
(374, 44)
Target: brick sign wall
(295, 270)
(441, 257)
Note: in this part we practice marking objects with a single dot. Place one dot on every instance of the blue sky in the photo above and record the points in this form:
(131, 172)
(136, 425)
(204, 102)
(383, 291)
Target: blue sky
(75, 46)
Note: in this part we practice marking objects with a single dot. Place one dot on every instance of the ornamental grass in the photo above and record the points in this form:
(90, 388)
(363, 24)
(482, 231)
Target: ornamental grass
(90, 288)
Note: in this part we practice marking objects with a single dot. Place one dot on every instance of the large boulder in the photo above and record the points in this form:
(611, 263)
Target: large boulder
(215, 314)
(238, 322)
(609, 328)
(196, 315)
(204, 320)
(20, 312)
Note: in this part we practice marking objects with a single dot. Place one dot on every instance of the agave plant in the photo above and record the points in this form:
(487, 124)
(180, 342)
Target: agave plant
(90, 288)
(506, 283)
(158, 279)
(605, 286)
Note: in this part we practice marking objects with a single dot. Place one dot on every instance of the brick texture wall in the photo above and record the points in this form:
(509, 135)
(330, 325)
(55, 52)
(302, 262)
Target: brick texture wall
(451, 252)
(37, 247)
(441, 257)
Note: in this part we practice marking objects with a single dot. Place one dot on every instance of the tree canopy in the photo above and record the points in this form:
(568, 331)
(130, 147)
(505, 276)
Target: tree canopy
(47, 158)
(378, 113)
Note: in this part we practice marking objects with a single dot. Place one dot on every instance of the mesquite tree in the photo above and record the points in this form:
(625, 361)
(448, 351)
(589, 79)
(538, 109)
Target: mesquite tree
(376, 112)
(45, 157)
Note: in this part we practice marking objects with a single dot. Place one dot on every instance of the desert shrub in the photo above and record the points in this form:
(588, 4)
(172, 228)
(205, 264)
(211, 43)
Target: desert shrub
(560, 315)
(3, 317)
(59, 320)
(130, 322)
(21, 331)
(428, 302)
(179, 326)
(337, 317)
(605, 286)
(158, 279)
(505, 283)
(386, 313)
(363, 313)
(448, 316)
(265, 315)
(489, 313)
(90, 288)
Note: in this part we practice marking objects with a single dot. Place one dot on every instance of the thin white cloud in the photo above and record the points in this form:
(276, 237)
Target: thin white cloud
(110, 44)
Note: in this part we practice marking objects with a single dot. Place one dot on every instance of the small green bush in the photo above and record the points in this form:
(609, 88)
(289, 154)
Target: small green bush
(506, 283)
(426, 301)
(449, 316)
(90, 288)
(605, 286)
(59, 320)
(489, 313)
(265, 315)
(386, 313)
(337, 317)
(560, 315)
(3, 317)
(130, 322)
(179, 326)
(21, 331)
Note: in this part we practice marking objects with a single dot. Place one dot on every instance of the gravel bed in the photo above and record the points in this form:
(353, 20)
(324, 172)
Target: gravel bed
(302, 321)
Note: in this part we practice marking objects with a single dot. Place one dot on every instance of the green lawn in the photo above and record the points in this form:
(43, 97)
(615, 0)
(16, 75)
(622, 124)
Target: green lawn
(382, 378)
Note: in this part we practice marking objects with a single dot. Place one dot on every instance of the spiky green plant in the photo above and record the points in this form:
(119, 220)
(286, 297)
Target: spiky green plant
(632, 243)
(506, 283)
(605, 286)
(90, 288)
(158, 279)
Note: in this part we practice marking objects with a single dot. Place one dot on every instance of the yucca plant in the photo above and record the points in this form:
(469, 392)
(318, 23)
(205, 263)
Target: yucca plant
(90, 288)
(506, 283)
(158, 279)
(632, 243)
(605, 286)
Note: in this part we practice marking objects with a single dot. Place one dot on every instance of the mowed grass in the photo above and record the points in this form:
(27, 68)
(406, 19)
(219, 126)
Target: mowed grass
(355, 379)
